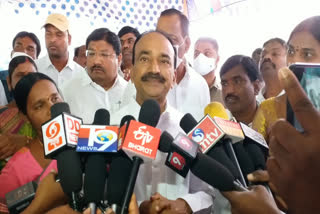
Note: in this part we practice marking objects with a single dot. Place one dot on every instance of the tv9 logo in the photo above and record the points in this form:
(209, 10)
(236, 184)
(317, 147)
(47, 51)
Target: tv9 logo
(52, 132)
(177, 161)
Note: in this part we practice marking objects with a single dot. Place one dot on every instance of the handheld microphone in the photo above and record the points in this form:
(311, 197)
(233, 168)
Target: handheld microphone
(95, 168)
(254, 137)
(119, 174)
(59, 140)
(232, 133)
(207, 134)
(141, 142)
(181, 152)
(200, 164)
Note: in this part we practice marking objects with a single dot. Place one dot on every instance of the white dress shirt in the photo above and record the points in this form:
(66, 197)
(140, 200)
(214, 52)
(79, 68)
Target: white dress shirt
(191, 95)
(260, 98)
(85, 96)
(3, 98)
(45, 66)
(156, 177)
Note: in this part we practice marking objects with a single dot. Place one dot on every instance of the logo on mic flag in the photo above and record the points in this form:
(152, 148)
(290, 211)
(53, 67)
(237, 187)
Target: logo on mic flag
(141, 139)
(96, 138)
(207, 133)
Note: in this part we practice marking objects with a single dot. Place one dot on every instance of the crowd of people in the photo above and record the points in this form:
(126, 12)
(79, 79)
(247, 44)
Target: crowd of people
(119, 71)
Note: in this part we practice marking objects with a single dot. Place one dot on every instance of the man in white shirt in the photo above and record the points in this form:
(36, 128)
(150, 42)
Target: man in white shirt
(153, 76)
(99, 86)
(57, 64)
(273, 57)
(190, 94)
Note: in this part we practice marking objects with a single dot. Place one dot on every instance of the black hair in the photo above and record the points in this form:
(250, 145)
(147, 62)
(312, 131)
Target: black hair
(32, 36)
(311, 25)
(16, 61)
(106, 35)
(280, 41)
(160, 32)
(183, 19)
(128, 29)
(76, 51)
(256, 51)
(247, 63)
(213, 42)
(24, 86)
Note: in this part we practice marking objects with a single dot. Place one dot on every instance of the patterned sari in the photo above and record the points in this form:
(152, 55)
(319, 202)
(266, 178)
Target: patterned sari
(12, 121)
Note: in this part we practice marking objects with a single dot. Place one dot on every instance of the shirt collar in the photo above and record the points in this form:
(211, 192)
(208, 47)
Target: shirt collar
(86, 80)
(70, 63)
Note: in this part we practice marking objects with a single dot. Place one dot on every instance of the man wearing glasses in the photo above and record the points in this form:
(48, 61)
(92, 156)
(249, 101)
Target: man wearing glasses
(100, 86)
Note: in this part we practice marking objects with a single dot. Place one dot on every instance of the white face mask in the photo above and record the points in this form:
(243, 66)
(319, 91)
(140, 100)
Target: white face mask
(204, 65)
(178, 59)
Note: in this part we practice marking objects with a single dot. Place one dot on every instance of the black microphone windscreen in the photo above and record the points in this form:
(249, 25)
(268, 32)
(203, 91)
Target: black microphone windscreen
(95, 178)
(165, 142)
(118, 179)
(218, 154)
(187, 123)
(244, 159)
(69, 170)
(213, 173)
(58, 108)
(101, 117)
(126, 119)
(256, 155)
(149, 113)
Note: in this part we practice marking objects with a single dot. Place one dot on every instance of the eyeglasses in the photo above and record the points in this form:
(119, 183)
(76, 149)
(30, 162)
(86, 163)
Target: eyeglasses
(105, 55)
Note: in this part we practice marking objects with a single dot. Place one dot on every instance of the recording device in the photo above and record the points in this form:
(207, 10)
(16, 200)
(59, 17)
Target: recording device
(20, 198)
(308, 75)
(60, 139)
(140, 142)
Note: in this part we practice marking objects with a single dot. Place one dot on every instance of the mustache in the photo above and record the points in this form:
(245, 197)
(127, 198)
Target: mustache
(267, 60)
(96, 67)
(151, 75)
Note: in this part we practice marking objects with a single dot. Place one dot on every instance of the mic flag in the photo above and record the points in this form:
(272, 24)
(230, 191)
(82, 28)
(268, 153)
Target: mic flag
(98, 138)
(61, 131)
(182, 153)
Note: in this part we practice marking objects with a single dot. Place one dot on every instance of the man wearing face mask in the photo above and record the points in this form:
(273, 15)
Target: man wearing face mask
(190, 94)
(205, 60)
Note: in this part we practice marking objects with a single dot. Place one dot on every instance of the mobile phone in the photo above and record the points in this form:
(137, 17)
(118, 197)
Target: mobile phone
(308, 75)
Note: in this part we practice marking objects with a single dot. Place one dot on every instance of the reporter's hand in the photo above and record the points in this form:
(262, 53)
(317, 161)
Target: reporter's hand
(256, 200)
(10, 144)
(293, 165)
(49, 194)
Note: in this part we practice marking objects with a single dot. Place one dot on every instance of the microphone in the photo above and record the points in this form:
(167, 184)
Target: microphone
(200, 164)
(120, 169)
(140, 142)
(254, 137)
(181, 152)
(207, 134)
(95, 168)
(59, 140)
(232, 133)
